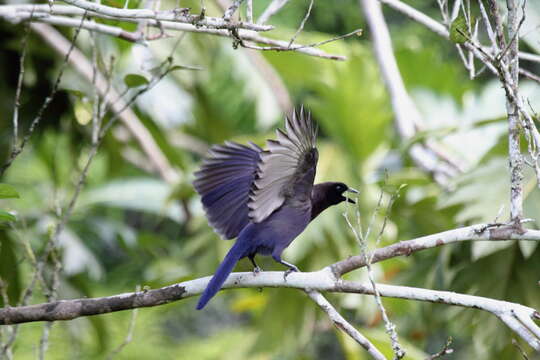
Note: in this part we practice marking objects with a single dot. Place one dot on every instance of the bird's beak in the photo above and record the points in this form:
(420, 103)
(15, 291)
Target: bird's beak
(354, 191)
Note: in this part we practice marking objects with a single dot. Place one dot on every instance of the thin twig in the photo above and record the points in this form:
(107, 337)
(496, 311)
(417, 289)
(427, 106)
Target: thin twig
(302, 23)
(249, 11)
(362, 239)
(300, 47)
(271, 10)
(446, 350)
(520, 349)
(129, 335)
(17, 104)
(16, 151)
(232, 9)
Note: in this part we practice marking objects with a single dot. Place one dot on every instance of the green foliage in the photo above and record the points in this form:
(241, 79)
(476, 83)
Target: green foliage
(130, 228)
(459, 32)
(9, 270)
(8, 192)
(135, 80)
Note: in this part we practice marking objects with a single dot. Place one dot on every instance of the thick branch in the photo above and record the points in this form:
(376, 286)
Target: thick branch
(480, 232)
(516, 160)
(517, 317)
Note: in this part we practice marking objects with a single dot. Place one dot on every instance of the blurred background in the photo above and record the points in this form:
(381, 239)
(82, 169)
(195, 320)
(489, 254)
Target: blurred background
(131, 227)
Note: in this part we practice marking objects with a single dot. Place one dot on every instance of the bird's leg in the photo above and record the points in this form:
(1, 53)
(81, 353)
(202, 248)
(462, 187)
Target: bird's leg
(292, 268)
(256, 268)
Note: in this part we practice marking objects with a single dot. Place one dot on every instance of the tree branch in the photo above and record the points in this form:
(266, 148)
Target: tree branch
(407, 116)
(441, 30)
(514, 132)
(84, 67)
(43, 13)
(517, 317)
(166, 15)
(343, 325)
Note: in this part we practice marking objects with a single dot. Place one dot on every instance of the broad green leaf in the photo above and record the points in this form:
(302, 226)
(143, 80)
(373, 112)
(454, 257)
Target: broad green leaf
(8, 192)
(459, 32)
(5, 216)
(135, 80)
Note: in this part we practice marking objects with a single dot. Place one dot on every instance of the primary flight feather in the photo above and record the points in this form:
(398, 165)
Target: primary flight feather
(266, 198)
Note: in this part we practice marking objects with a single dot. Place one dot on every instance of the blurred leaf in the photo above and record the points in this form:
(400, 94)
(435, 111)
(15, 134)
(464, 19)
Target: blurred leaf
(483, 192)
(184, 67)
(528, 247)
(6, 216)
(77, 93)
(459, 33)
(529, 30)
(77, 258)
(485, 248)
(7, 192)
(9, 267)
(135, 80)
(83, 112)
(143, 194)
(342, 95)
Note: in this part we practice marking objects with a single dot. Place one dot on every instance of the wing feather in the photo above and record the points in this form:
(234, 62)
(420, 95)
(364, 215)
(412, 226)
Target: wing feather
(286, 168)
(224, 182)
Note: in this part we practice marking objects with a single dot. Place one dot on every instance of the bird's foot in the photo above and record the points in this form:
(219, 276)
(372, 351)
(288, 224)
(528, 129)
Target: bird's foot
(256, 270)
(292, 268)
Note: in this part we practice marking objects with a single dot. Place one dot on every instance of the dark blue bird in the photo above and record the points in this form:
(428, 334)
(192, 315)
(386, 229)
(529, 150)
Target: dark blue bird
(266, 198)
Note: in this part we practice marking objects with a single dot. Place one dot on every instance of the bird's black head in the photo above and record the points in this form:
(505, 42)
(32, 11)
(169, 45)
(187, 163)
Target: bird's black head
(327, 194)
(334, 192)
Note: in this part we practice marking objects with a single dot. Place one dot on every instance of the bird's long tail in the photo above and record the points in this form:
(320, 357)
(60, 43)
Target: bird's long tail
(222, 272)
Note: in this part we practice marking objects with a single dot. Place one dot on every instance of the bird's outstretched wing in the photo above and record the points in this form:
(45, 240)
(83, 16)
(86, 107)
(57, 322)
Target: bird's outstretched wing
(224, 182)
(287, 167)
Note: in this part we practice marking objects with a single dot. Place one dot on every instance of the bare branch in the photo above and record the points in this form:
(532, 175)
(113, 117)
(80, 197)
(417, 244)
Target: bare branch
(446, 350)
(232, 9)
(249, 11)
(511, 314)
(362, 239)
(514, 132)
(517, 317)
(300, 48)
(17, 150)
(407, 116)
(96, 9)
(343, 325)
(129, 335)
(302, 23)
(43, 13)
(480, 232)
(271, 10)
(81, 64)
(17, 104)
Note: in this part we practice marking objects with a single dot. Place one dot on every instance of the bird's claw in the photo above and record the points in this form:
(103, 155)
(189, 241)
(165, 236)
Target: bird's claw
(256, 270)
(290, 270)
